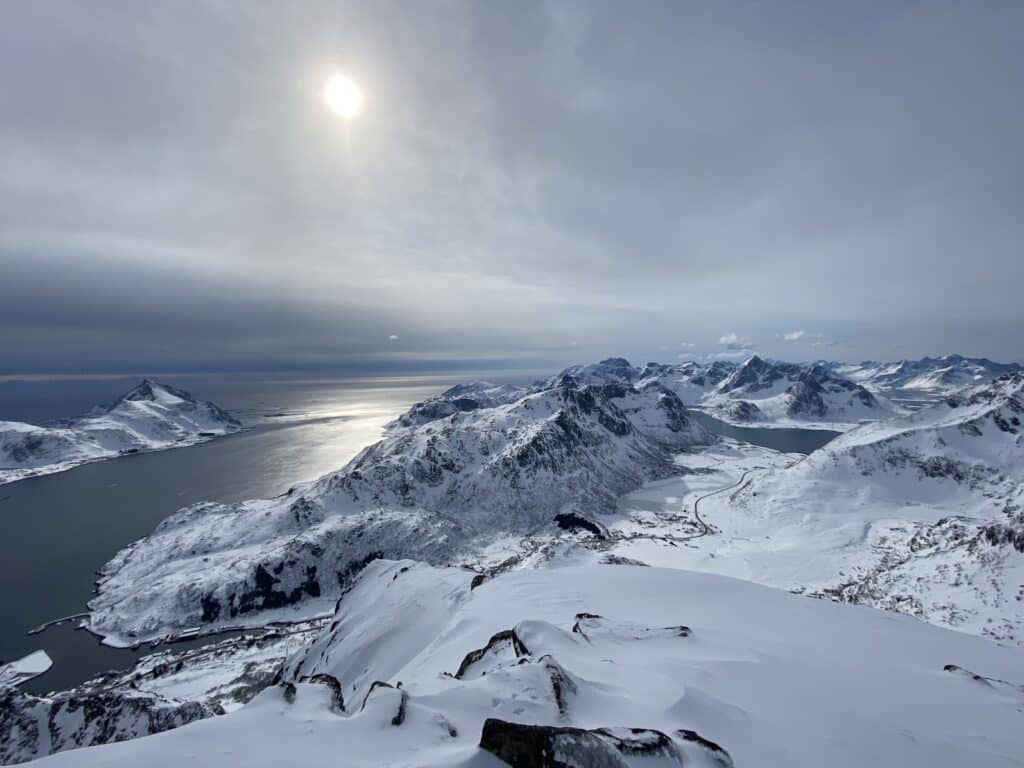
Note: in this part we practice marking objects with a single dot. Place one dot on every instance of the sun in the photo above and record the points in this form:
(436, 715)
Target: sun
(342, 96)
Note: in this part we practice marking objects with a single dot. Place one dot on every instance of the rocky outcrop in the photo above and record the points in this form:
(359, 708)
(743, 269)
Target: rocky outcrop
(37, 726)
(549, 746)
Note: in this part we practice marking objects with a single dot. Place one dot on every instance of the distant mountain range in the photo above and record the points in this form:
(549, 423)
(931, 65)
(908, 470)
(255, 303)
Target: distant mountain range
(821, 393)
(150, 417)
(756, 390)
(525, 512)
(929, 376)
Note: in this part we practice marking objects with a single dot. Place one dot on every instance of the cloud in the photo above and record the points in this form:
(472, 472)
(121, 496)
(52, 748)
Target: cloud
(736, 344)
(523, 173)
(393, 337)
(794, 335)
(687, 344)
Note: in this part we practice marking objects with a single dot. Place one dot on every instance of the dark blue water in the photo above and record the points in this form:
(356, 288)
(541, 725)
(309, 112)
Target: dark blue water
(787, 440)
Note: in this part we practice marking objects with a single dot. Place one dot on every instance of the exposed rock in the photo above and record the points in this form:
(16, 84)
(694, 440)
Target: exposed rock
(34, 726)
(505, 639)
(546, 746)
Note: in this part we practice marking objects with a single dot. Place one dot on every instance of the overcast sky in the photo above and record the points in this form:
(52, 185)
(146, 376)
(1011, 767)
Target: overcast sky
(525, 182)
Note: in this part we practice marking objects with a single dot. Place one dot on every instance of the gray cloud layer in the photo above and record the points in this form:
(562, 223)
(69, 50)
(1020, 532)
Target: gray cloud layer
(523, 177)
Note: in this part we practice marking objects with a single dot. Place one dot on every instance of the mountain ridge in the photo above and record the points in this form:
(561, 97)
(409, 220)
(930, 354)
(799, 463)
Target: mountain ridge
(151, 416)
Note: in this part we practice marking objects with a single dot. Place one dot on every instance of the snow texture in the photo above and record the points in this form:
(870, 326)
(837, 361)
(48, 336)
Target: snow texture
(612, 666)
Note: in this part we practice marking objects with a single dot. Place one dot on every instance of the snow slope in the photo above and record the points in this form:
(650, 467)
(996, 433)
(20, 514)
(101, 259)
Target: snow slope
(591, 665)
(922, 514)
(150, 417)
(429, 492)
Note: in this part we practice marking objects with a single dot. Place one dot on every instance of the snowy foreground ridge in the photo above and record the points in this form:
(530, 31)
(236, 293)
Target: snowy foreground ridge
(470, 591)
(150, 417)
(600, 665)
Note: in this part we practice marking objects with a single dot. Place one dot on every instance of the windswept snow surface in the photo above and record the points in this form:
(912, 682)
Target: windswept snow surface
(150, 417)
(431, 492)
(594, 665)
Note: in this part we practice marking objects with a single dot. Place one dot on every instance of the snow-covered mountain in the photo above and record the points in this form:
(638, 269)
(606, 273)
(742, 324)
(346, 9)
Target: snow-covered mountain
(927, 377)
(922, 514)
(794, 392)
(612, 370)
(430, 491)
(756, 390)
(616, 666)
(691, 380)
(150, 417)
(461, 398)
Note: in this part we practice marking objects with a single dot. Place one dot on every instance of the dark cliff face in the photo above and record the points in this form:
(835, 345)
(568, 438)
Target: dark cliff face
(742, 410)
(815, 384)
(37, 726)
(807, 399)
(757, 374)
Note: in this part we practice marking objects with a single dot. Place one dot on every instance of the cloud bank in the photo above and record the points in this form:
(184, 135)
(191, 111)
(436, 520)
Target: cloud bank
(527, 181)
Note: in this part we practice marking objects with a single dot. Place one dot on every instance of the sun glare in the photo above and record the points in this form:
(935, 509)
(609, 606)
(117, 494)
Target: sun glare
(343, 96)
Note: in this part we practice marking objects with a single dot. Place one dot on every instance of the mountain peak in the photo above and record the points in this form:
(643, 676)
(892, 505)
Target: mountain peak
(615, 362)
(151, 390)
